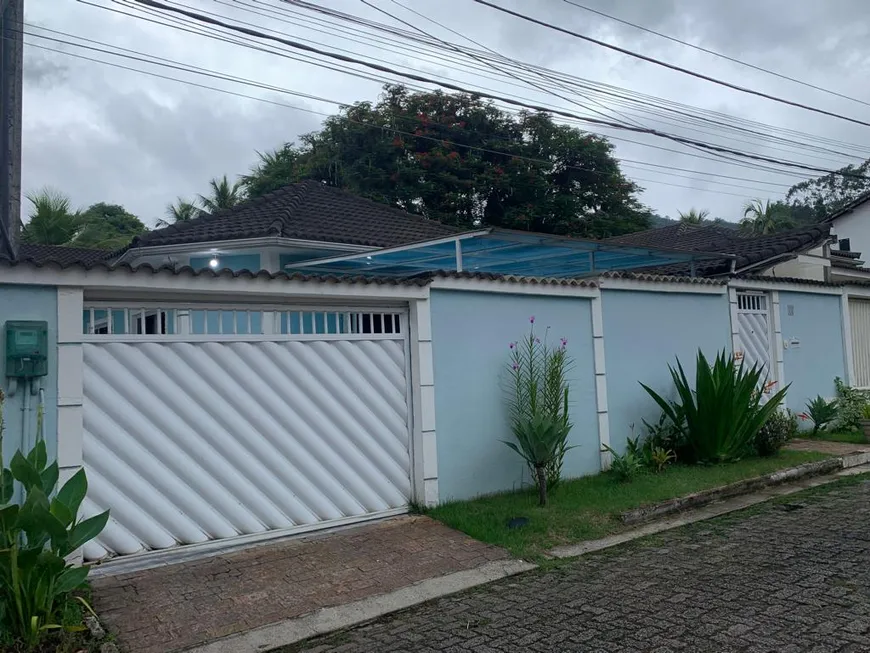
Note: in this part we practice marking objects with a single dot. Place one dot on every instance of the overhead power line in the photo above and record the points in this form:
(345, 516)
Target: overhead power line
(424, 46)
(717, 54)
(167, 63)
(210, 32)
(670, 66)
(429, 80)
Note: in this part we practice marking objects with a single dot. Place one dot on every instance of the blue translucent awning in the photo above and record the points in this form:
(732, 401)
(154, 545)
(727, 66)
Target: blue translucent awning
(503, 251)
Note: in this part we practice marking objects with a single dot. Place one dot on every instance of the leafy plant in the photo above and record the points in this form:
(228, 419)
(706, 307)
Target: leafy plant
(626, 466)
(36, 535)
(777, 430)
(539, 440)
(661, 458)
(865, 412)
(821, 412)
(666, 434)
(850, 406)
(538, 406)
(723, 412)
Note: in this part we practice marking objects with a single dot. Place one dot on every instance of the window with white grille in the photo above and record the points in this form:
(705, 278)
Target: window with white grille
(179, 321)
(752, 302)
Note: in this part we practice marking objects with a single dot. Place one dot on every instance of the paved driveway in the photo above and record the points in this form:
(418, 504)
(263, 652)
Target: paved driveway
(779, 581)
(173, 607)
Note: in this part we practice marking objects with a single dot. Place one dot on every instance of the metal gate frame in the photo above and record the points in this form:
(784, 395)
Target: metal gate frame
(269, 334)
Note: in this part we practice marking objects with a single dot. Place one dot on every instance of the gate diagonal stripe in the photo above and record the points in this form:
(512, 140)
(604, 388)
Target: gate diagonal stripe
(165, 405)
(187, 442)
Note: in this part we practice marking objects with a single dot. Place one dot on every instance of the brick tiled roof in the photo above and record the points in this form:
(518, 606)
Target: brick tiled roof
(746, 251)
(58, 254)
(308, 210)
(694, 237)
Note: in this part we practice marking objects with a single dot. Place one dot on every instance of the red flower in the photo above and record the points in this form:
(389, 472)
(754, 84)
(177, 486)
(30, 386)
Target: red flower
(803, 416)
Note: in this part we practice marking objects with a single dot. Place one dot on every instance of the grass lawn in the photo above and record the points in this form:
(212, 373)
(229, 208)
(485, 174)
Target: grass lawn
(853, 437)
(587, 508)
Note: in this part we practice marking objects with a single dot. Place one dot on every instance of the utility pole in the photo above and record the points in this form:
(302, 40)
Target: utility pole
(11, 90)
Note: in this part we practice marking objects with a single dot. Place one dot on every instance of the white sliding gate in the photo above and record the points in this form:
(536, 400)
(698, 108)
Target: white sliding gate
(202, 424)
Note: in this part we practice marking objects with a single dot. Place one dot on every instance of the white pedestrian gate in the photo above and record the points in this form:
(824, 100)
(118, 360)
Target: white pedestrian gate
(202, 424)
(753, 338)
(859, 318)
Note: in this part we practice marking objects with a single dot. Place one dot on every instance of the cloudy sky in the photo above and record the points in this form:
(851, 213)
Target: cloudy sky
(102, 133)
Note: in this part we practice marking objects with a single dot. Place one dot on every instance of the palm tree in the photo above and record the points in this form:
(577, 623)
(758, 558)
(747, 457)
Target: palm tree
(763, 218)
(51, 220)
(181, 210)
(223, 195)
(693, 216)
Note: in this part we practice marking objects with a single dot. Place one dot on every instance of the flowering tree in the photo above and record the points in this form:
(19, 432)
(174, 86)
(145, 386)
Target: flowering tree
(538, 406)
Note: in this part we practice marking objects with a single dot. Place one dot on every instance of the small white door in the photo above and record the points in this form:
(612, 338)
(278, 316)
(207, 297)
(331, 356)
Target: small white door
(753, 339)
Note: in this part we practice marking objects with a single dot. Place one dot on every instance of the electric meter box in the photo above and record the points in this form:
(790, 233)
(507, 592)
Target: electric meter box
(26, 349)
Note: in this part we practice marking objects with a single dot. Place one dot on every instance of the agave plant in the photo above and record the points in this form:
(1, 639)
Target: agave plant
(821, 412)
(540, 439)
(723, 411)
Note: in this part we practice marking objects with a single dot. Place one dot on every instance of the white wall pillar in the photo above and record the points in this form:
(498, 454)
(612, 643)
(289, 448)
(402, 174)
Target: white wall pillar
(424, 452)
(70, 379)
(735, 326)
(70, 373)
(778, 367)
(848, 354)
(600, 380)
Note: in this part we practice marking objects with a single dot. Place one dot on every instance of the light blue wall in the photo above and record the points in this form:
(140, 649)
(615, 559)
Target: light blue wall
(232, 261)
(816, 321)
(470, 336)
(644, 332)
(29, 303)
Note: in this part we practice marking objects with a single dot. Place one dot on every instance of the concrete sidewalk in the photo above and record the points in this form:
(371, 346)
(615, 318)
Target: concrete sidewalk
(831, 448)
(174, 607)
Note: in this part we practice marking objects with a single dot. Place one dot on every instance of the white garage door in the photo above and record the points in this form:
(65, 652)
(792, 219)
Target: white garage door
(203, 424)
(859, 316)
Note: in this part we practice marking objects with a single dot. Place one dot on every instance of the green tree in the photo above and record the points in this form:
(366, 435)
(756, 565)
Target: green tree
(51, 220)
(274, 170)
(763, 218)
(462, 161)
(222, 195)
(107, 226)
(181, 210)
(693, 216)
(815, 199)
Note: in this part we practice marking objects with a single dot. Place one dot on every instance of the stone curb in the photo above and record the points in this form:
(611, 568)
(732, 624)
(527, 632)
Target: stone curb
(703, 513)
(327, 620)
(746, 486)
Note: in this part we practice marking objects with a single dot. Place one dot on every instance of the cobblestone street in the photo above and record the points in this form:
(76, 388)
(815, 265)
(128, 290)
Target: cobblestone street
(791, 578)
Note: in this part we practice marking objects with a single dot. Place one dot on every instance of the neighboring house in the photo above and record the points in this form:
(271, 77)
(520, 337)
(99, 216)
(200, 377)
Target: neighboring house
(851, 226)
(311, 359)
(797, 253)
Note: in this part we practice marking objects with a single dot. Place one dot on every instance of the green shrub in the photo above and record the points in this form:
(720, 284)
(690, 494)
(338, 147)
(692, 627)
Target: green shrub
(820, 412)
(36, 535)
(666, 434)
(538, 405)
(777, 430)
(722, 413)
(850, 406)
(624, 467)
